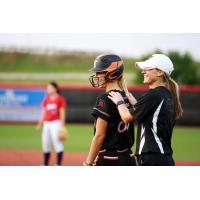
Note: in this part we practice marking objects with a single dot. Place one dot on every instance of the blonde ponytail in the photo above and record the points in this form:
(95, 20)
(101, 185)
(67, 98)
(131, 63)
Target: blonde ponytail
(122, 84)
(174, 89)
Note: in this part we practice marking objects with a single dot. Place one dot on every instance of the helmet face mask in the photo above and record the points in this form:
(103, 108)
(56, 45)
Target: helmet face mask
(96, 81)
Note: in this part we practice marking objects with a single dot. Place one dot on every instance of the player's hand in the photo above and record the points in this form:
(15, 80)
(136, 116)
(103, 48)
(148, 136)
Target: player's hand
(115, 97)
(131, 99)
(87, 164)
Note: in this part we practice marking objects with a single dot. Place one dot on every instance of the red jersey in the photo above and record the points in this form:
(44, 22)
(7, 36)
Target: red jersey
(52, 107)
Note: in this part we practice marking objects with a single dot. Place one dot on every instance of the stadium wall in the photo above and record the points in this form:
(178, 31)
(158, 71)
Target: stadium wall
(81, 100)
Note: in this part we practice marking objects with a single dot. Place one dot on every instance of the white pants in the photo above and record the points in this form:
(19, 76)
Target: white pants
(50, 135)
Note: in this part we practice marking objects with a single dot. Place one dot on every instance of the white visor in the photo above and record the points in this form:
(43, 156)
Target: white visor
(159, 61)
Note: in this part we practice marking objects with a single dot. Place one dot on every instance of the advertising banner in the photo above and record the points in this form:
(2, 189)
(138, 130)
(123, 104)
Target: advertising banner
(21, 104)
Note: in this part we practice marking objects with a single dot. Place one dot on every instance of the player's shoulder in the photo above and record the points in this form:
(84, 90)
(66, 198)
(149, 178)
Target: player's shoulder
(154, 95)
(45, 101)
(103, 102)
(106, 100)
(60, 97)
(103, 98)
(159, 92)
(119, 91)
(148, 96)
(151, 93)
(46, 98)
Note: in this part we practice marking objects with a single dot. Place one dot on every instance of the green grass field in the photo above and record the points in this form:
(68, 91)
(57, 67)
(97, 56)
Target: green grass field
(186, 141)
(56, 62)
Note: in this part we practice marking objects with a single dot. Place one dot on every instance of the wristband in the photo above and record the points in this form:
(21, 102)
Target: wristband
(120, 102)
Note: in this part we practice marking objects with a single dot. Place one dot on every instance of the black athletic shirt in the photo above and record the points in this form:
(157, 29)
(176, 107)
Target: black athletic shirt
(118, 134)
(155, 115)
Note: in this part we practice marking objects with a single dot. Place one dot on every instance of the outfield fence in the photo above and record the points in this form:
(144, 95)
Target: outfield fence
(22, 103)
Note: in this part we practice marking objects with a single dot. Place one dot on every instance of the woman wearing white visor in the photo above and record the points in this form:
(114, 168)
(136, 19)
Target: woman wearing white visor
(155, 112)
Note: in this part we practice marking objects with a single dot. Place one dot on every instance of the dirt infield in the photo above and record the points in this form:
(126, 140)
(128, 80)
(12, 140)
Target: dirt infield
(34, 158)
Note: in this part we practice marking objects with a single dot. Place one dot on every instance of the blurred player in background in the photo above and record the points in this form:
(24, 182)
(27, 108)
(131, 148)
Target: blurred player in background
(53, 121)
(113, 139)
(156, 112)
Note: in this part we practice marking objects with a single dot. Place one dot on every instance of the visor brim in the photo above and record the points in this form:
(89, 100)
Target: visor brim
(144, 65)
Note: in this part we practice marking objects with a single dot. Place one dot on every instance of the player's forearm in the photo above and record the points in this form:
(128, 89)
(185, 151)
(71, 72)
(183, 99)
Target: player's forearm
(41, 120)
(62, 117)
(62, 121)
(125, 114)
(95, 147)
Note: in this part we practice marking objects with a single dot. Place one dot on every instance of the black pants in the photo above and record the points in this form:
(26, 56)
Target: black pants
(115, 158)
(155, 160)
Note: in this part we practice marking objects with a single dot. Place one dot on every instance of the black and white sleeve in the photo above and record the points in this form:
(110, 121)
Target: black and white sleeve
(144, 106)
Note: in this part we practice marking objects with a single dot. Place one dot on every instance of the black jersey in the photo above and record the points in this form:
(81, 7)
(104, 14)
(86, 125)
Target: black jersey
(118, 134)
(155, 115)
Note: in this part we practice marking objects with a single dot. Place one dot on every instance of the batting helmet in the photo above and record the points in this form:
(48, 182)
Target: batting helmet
(110, 64)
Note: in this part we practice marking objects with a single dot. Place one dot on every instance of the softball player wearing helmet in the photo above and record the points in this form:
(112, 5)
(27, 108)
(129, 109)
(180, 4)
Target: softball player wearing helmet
(52, 119)
(156, 112)
(113, 139)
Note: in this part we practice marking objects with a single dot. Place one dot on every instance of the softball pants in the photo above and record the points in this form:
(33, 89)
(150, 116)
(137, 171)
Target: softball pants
(50, 136)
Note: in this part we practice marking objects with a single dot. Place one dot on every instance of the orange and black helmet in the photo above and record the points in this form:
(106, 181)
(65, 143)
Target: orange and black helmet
(111, 64)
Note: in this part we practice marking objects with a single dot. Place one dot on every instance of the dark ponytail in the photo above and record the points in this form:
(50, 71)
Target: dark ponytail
(55, 85)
